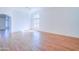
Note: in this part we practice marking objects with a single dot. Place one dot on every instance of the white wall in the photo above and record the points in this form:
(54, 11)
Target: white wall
(19, 17)
(63, 21)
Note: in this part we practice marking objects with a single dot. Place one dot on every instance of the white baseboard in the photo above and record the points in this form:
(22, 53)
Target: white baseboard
(69, 35)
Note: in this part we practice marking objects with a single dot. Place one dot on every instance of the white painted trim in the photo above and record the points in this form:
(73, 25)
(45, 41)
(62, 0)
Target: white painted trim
(69, 35)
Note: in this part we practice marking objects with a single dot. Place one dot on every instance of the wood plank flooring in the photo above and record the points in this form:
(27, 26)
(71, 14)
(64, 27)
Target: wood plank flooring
(38, 41)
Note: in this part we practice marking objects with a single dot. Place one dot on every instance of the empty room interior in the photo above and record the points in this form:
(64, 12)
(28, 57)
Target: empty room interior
(39, 28)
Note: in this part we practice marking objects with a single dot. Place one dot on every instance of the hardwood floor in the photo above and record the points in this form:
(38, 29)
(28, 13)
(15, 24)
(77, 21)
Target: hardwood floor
(38, 41)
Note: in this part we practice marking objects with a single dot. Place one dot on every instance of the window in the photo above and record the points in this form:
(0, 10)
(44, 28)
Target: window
(35, 17)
